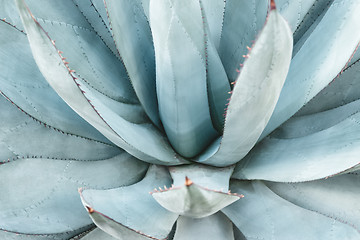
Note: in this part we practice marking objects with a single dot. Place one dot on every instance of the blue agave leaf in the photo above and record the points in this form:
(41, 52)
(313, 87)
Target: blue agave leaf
(309, 157)
(39, 196)
(257, 87)
(300, 126)
(132, 35)
(210, 177)
(182, 92)
(29, 91)
(336, 197)
(95, 14)
(22, 135)
(246, 24)
(214, 227)
(211, 182)
(319, 60)
(132, 137)
(193, 200)
(9, 14)
(301, 14)
(6, 235)
(87, 54)
(97, 234)
(280, 219)
(214, 11)
(344, 89)
(110, 209)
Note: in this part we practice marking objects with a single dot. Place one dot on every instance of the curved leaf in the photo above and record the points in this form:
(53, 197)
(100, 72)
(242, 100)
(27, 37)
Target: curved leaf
(132, 35)
(214, 227)
(28, 90)
(192, 200)
(319, 60)
(336, 197)
(343, 90)
(243, 19)
(95, 13)
(96, 234)
(257, 87)
(280, 219)
(314, 156)
(183, 102)
(39, 196)
(122, 212)
(210, 177)
(132, 137)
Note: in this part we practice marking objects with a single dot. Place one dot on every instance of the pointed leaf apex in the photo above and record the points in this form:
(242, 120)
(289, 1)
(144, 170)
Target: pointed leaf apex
(188, 182)
(272, 5)
(89, 209)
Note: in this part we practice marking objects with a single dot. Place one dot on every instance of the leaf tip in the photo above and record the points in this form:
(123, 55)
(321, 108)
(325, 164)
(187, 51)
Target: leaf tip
(188, 182)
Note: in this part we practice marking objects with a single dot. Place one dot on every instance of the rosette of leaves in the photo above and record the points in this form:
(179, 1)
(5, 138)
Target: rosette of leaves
(176, 119)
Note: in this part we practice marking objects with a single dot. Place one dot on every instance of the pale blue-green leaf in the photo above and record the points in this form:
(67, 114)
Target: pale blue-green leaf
(242, 21)
(132, 209)
(264, 215)
(300, 14)
(22, 135)
(9, 14)
(214, 227)
(238, 235)
(192, 200)
(314, 156)
(7, 235)
(90, 57)
(214, 11)
(344, 89)
(257, 87)
(300, 126)
(336, 197)
(319, 60)
(217, 81)
(27, 88)
(132, 35)
(310, 20)
(210, 177)
(97, 234)
(95, 14)
(142, 140)
(179, 41)
(39, 196)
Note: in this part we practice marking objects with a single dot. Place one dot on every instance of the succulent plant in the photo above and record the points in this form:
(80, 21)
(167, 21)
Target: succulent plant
(175, 119)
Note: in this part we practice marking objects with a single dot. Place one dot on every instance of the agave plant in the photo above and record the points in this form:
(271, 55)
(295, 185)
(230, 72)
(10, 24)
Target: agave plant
(179, 119)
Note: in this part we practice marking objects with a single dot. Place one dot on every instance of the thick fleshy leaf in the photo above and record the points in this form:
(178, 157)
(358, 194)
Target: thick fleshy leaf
(39, 196)
(142, 140)
(96, 234)
(214, 227)
(342, 90)
(94, 12)
(257, 87)
(264, 215)
(319, 60)
(336, 197)
(210, 177)
(132, 35)
(313, 156)
(88, 54)
(26, 87)
(130, 211)
(300, 126)
(178, 32)
(8, 235)
(22, 135)
(192, 200)
(300, 14)
(243, 20)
